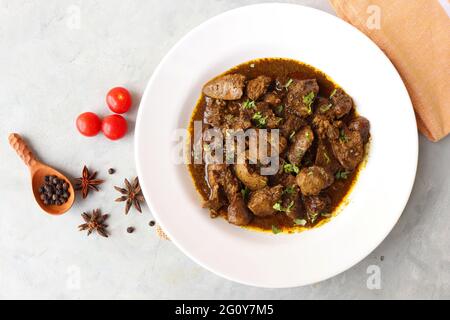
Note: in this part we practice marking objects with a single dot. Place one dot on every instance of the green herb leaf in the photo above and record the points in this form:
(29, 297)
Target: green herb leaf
(312, 216)
(289, 207)
(341, 175)
(327, 158)
(291, 168)
(325, 107)
(259, 119)
(276, 230)
(308, 135)
(309, 99)
(288, 83)
(279, 109)
(248, 104)
(300, 222)
(333, 92)
(245, 193)
(342, 136)
(289, 190)
(292, 135)
(277, 206)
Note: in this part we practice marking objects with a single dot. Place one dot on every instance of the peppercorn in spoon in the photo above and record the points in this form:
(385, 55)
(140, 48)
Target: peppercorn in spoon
(51, 189)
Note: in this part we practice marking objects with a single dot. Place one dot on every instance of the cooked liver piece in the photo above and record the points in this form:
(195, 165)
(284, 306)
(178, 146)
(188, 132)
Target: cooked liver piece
(341, 102)
(238, 212)
(362, 125)
(262, 201)
(300, 96)
(257, 87)
(348, 148)
(300, 143)
(314, 179)
(317, 204)
(325, 157)
(220, 177)
(227, 87)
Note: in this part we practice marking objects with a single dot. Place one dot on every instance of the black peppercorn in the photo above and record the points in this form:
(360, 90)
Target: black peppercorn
(151, 223)
(54, 191)
(130, 229)
(111, 171)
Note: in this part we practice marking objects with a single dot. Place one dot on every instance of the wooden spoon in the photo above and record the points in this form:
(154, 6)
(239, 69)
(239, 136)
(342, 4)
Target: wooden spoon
(38, 171)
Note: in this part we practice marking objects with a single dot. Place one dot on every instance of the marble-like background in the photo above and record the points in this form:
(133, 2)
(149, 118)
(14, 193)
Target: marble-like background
(55, 64)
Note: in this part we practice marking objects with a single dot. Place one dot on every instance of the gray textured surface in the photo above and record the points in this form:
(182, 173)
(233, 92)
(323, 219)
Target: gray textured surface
(51, 71)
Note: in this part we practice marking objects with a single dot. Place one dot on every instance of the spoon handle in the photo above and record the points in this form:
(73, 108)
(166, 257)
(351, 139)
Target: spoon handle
(21, 148)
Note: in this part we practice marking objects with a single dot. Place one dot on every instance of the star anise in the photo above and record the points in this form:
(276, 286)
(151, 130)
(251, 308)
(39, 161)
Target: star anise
(132, 195)
(94, 222)
(87, 182)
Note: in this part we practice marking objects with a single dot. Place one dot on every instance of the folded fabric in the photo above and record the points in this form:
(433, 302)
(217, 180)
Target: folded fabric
(415, 35)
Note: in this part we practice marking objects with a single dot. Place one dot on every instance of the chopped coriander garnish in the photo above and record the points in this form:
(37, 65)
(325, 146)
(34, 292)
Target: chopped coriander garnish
(259, 119)
(280, 108)
(289, 207)
(291, 168)
(245, 193)
(327, 158)
(277, 206)
(313, 216)
(342, 136)
(279, 119)
(309, 99)
(341, 175)
(325, 107)
(300, 222)
(276, 230)
(333, 92)
(288, 83)
(289, 190)
(292, 135)
(248, 104)
(307, 135)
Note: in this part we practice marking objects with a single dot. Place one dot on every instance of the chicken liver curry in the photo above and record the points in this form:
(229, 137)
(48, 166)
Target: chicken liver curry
(322, 144)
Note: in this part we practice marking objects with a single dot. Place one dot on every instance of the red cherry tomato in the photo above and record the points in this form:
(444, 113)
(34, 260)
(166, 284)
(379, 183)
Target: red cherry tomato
(119, 100)
(114, 126)
(88, 124)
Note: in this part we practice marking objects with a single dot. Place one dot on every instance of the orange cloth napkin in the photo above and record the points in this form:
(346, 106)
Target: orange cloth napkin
(415, 35)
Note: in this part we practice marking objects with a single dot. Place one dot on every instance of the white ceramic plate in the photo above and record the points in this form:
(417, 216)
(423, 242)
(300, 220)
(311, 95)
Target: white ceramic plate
(355, 63)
